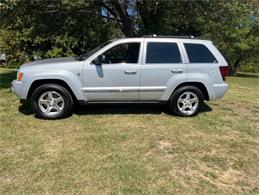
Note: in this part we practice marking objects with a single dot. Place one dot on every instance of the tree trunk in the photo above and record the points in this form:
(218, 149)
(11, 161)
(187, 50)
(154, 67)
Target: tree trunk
(235, 69)
(236, 66)
(148, 12)
(124, 20)
(144, 13)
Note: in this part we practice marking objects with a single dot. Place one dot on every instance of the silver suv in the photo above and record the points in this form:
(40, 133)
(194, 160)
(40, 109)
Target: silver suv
(179, 71)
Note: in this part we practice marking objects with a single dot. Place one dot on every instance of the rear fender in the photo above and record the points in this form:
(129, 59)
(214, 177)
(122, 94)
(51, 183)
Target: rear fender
(177, 80)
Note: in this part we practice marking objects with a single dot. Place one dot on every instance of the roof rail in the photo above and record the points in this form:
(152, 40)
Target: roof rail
(168, 36)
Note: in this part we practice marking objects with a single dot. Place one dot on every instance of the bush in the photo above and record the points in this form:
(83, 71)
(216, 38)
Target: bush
(249, 68)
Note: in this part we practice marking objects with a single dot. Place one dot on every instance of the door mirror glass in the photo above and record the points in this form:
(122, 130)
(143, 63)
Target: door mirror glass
(99, 60)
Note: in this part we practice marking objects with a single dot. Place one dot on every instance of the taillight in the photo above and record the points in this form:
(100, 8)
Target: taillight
(223, 71)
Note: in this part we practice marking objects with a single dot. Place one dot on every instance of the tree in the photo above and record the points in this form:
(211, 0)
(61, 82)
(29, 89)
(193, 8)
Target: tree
(117, 10)
(52, 28)
(232, 25)
(234, 28)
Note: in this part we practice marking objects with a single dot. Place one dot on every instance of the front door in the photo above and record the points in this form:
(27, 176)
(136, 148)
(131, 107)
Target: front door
(117, 78)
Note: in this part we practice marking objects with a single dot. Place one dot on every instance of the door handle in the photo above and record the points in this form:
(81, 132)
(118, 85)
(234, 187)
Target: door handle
(130, 71)
(176, 70)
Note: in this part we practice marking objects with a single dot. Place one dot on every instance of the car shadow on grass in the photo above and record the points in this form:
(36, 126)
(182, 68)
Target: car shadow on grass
(96, 109)
(25, 109)
(104, 109)
(100, 109)
(6, 79)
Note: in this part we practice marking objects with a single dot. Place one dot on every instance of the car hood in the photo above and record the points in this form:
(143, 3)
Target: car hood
(52, 61)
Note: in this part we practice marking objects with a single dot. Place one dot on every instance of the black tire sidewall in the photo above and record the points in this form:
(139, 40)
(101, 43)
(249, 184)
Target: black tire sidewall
(175, 96)
(68, 101)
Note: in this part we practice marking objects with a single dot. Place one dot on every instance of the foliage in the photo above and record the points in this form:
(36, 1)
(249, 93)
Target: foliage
(63, 28)
(50, 29)
(237, 33)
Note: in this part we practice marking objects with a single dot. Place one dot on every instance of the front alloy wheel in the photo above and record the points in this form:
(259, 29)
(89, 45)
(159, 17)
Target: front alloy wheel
(51, 101)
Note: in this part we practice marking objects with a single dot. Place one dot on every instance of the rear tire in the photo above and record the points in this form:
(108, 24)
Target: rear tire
(186, 101)
(51, 101)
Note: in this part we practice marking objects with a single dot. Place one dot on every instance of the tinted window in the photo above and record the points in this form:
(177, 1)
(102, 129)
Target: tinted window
(162, 53)
(199, 53)
(123, 53)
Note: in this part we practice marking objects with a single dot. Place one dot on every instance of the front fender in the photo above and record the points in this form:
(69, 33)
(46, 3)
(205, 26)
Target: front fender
(72, 80)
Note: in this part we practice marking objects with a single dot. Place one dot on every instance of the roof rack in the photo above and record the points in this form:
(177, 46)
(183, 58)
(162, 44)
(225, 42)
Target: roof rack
(168, 36)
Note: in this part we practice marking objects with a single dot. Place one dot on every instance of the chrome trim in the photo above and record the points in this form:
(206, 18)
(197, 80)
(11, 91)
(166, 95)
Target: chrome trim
(122, 89)
(127, 102)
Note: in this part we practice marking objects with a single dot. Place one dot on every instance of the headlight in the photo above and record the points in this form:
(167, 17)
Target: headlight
(19, 76)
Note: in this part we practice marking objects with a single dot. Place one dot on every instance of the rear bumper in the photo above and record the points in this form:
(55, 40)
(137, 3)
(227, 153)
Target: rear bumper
(17, 88)
(220, 90)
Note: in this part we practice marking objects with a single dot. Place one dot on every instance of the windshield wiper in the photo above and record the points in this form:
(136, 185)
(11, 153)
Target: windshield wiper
(81, 57)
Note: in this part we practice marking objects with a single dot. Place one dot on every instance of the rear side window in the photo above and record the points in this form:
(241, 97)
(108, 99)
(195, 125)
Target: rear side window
(199, 53)
(162, 53)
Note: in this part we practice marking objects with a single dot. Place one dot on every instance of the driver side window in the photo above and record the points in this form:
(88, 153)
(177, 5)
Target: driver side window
(123, 53)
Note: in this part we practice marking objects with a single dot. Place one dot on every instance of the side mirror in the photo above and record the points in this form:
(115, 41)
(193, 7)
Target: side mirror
(99, 60)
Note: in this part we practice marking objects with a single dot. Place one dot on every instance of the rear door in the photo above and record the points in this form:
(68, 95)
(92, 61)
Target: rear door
(162, 60)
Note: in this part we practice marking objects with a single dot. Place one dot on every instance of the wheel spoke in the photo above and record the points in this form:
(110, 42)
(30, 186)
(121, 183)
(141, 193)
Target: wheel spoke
(191, 108)
(57, 108)
(183, 108)
(48, 110)
(45, 102)
(181, 100)
(187, 96)
(193, 100)
(50, 95)
(59, 99)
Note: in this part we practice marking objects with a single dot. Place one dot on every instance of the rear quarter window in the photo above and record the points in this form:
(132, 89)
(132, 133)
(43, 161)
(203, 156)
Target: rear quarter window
(199, 53)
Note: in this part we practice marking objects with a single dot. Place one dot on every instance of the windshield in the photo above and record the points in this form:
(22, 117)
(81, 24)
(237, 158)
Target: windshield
(89, 53)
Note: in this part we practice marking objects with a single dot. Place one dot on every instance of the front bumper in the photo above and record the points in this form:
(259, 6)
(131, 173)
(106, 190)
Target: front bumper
(17, 88)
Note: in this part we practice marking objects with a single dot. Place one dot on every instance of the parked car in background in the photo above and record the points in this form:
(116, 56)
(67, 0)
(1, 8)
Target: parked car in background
(179, 71)
(2, 57)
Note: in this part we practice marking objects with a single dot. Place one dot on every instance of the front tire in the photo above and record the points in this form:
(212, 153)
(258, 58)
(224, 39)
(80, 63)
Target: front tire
(186, 101)
(51, 101)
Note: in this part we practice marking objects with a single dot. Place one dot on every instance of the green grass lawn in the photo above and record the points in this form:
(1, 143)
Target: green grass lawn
(132, 149)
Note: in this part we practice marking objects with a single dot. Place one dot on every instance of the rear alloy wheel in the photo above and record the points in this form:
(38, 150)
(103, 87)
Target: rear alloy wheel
(51, 101)
(186, 101)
